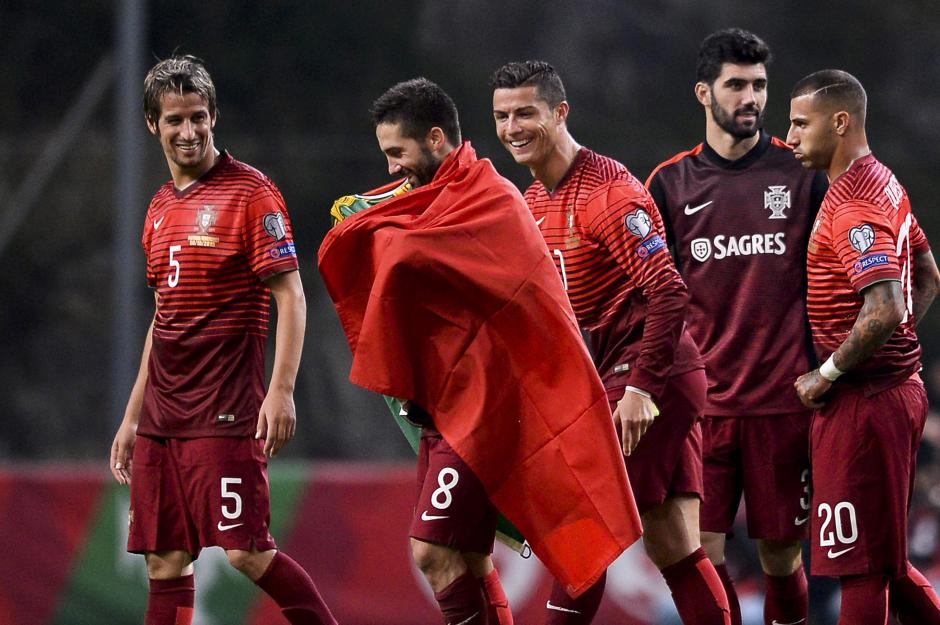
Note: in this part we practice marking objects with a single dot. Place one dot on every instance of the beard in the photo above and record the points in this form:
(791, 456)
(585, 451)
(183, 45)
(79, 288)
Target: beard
(737, 130)
(425, 168)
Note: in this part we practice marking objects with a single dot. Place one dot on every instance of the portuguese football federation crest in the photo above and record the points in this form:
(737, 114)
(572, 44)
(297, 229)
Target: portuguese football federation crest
(777, 200)
(205, 219)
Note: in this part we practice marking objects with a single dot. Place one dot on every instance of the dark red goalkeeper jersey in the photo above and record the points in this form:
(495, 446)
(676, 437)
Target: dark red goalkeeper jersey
(606, 237)
(738, 231)
(209, 249)
(865, 233)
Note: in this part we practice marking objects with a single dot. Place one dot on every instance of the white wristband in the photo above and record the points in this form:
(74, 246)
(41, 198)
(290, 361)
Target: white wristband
(829, 370)
(639, 391)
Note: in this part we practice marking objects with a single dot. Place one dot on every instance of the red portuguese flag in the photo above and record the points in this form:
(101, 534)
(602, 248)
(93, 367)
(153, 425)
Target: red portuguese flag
(449, 298)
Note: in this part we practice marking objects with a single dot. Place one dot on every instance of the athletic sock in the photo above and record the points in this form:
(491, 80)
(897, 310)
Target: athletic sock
(563, 610)
(787, 599)
(697, 590)
(864, 600)
(913, 600)
(462, 602)
(497, 603)
(294, 592)
(171, 601)
(730, 591)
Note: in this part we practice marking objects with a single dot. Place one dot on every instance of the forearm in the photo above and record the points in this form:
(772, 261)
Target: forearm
(289, 339)
(925, 284)
(665, 316)
(881, 313)
(136, 400)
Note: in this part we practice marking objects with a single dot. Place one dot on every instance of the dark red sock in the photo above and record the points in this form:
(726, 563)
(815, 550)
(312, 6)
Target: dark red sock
(913, 599)
(697, 590)
(171, 601)
(497, 603)
(294, 592)
(730, 591)
(787, 598)
(462, 602)
(563, 610)
(864, 600)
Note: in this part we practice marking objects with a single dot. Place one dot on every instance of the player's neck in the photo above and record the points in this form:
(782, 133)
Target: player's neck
(849, 151)
(185, 176)
(726, 145)
(553, 168)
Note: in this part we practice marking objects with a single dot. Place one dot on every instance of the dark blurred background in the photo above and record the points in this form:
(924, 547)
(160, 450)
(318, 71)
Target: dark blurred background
(295, 80)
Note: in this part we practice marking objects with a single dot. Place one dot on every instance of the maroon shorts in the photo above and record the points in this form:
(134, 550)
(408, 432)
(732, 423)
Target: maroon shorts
(668, 459)
(452, 508)
(187, 494)
(864, 452)
(765, 457)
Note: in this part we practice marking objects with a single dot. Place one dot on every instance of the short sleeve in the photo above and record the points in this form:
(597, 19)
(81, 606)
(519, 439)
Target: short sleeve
(269, 237)
(865, 243)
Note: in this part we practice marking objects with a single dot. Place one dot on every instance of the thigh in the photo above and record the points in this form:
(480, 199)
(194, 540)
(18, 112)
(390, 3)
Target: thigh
(863, 452)
(225, 481)
(722, 480)
(158, 518)
(775, 468)
(452, 507)
(668, 459)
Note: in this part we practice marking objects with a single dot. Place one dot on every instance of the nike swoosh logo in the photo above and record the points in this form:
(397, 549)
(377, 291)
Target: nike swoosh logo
(158, 222)
(695, 209)
(430, 517)
(548, 604)
(223, 528)
(538, 222)
(466, 620)
(776, 622)
(797, 521)
(836, 554)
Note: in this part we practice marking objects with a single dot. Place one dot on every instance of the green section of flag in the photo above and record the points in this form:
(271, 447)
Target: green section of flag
(109, 585)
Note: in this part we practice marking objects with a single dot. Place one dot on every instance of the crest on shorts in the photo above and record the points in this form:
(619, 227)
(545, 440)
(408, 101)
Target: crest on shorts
(274, 225)
(639, 223)
(862, 237)
(701, 249)
(777, 200)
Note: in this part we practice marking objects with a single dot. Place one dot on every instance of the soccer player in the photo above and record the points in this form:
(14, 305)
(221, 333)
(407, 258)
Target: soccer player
(871, 278)
(738, 210)
(450, 300)
(199, 425)
(605, 234)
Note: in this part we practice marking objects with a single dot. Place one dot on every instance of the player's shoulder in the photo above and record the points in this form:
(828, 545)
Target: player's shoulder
(676, 163)
(867, 181)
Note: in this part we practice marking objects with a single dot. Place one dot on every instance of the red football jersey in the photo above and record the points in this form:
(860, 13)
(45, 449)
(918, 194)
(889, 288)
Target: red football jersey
(209, 249)
(607, 240)
(865, 233)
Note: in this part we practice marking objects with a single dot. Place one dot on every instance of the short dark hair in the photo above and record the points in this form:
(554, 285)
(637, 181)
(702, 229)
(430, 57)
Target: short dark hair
(732, 45)
(418, 105)
(528, 73)
(179, 74)
(834, 87)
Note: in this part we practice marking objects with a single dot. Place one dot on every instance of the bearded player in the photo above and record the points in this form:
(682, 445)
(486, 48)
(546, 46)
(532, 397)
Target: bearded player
(606, 237)
(872, 277)
(199, 425)
(738, 210)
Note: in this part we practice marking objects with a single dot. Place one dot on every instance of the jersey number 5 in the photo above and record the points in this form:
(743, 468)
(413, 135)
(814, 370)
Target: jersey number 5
(174, 278)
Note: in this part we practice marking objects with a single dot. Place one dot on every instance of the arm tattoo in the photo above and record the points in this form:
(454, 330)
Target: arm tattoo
(880, 315)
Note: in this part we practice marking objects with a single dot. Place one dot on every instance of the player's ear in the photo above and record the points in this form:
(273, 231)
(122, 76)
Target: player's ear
(561, 111)
(840, 122)
(436, 138)
(703, 93)
(151, 126)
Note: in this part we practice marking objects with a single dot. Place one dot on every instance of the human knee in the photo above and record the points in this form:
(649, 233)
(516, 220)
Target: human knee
(714, 545)
(168, 564)
(480, 564)
(251, 563)
(779, 557)
(431, 558)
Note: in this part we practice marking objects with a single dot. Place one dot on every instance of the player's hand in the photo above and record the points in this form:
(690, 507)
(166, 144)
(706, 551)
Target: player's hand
(811, 387)
(122, 450)
(635, 413)
(277, 421)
